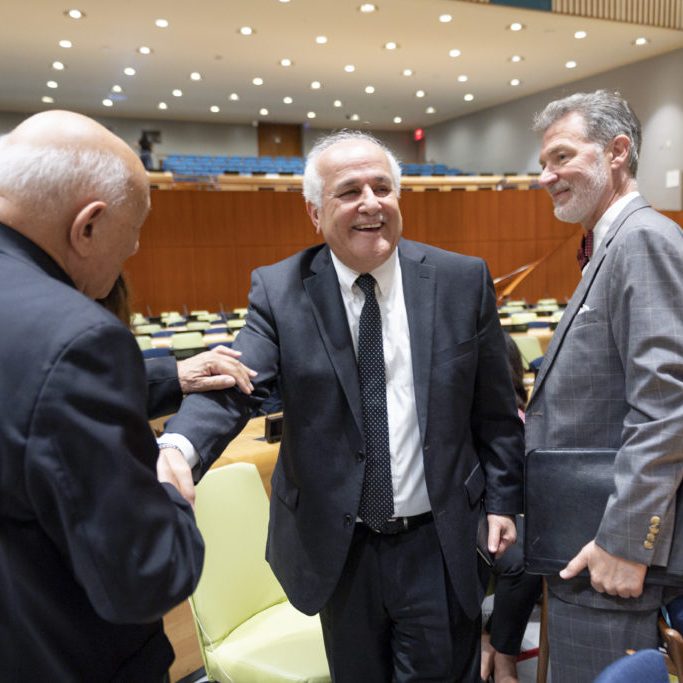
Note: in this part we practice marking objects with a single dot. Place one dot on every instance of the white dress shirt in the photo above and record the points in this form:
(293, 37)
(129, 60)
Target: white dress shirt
(605, 222)
(407, 467)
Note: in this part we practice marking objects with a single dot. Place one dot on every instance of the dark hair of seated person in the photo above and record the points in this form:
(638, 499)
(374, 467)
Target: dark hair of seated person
(516, 371)
(118, 301)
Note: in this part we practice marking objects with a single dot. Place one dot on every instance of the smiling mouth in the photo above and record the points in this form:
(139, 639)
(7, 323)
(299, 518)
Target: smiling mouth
(560, 193)
(369, 227)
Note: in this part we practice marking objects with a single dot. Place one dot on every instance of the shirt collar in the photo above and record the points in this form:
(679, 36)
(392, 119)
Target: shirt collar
(607, 218)
(384, 274)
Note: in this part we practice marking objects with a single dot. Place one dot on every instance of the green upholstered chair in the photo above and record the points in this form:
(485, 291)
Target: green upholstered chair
(248, 631)
(144, 341)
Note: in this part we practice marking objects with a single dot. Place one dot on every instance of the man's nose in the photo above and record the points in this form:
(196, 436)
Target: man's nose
(369, 201)
(547, 177)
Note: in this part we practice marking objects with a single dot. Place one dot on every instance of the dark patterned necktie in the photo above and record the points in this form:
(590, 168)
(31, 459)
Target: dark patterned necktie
(583, 255)
(377, 498)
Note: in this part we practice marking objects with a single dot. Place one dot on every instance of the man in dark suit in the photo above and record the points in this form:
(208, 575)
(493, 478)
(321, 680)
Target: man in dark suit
(93, 550)
(385, 459)
(612, 378)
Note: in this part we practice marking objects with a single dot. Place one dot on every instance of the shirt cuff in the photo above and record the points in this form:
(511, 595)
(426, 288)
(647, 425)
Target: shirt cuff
(183, 444)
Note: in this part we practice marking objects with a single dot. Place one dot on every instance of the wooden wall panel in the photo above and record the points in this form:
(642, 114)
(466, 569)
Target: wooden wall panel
(198, 248)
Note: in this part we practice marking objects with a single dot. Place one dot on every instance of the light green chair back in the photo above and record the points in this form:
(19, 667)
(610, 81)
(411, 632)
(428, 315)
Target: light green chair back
(547, 302)
(187, 340)
(523, 318)
(248, 631)
(236, 324)
(199, 312)
(242, 312)
(529, 347)
(144, 341)
(197, 325)
(149, 328)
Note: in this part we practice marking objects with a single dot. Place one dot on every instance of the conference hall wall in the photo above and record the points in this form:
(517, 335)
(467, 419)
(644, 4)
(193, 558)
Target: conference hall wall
(198, 248)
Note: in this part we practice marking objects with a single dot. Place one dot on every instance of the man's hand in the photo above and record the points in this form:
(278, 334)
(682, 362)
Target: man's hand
(172, 468)
(215, 369)
(502, 533)
(609, 573)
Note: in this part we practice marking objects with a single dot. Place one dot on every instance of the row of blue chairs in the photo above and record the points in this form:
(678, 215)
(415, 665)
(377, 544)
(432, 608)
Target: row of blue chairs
(191, 164)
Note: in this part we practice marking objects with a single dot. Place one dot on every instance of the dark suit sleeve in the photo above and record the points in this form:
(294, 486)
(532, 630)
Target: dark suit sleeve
(211, 420)
(164, 395)
(496, 427)
(90, 472)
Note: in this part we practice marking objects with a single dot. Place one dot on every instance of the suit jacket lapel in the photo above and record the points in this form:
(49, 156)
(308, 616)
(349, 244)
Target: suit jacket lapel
(322, 288)
(419, 292)
(582, 290)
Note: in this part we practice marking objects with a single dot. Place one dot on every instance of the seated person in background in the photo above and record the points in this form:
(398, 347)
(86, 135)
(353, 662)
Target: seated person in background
(167, 379)
(516, 591)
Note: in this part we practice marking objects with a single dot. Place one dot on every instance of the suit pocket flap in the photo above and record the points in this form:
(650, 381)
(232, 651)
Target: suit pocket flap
(286, 492)
(475, 485)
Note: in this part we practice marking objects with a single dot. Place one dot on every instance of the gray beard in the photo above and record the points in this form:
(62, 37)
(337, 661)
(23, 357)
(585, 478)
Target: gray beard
(587, 195)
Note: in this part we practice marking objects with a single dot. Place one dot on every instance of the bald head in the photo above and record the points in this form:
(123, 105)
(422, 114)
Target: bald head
(64, 181)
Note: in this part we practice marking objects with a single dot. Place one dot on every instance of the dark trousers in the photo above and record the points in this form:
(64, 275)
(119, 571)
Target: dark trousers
(515, 596)
(394, 616)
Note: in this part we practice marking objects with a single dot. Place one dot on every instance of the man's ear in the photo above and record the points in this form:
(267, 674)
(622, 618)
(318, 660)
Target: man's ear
(314, 213)
(83, 227)
(621, 145)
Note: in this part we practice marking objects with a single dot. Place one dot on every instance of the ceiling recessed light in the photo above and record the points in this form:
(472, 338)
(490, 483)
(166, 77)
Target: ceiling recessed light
(462, 78)
(354, 117)
(162, 105)
(129, 71)
(515, 26)
(116, 88)
(284, 2)
(107, 102)
(311, 115)
(515, 82)
(58, 66)
(321, 40)
(195, 76)
(177, 92)
(454, 53)
(52, 84)
(337, 103)
(580, 35)
(316, 85)
(74, 13)
(144, 50)
(516, 58)
(407, 72)
(349, 68)
(287, 100)
(430, 110)
(367, 8)
(420, 93)
(214, 109)
(65, 44)
(234, 97)
(445, 18)
(285, 62)
(641, 41)
(397, 119)
(247, 31)
(257, 81)
(468, 97)
(47, 99)
(391, 45)
(369, 89)
(263, 111)
(571, 64)
(161, 23)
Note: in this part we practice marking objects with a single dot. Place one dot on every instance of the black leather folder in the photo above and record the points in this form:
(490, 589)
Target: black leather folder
(565, 494)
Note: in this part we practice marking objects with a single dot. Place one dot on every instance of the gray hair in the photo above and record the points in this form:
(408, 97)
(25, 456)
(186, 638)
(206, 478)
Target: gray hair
(47, 178)
(606, 115)
(313, 183)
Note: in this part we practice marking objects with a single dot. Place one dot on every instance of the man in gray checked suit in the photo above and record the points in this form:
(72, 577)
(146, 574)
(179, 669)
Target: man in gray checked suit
(612, 378)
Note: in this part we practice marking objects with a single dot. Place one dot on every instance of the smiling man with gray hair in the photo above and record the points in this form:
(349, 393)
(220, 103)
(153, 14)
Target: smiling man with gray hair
(612, 378)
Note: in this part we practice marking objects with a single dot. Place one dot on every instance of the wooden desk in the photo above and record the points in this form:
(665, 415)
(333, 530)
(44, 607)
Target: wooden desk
(178, 623)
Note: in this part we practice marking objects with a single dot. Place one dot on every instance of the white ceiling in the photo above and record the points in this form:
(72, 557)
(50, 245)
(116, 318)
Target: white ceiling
(203, 36)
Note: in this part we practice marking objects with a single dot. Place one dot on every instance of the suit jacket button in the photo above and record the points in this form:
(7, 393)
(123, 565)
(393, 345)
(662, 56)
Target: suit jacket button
(655, 519)
(348, 520)
(648, 545)
(360, 456)
(653, 528)
(651, 538)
